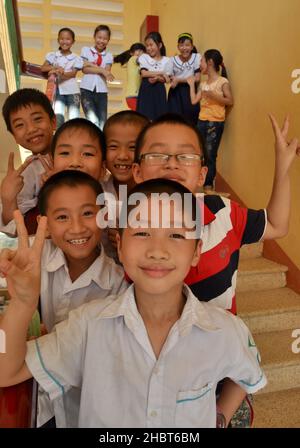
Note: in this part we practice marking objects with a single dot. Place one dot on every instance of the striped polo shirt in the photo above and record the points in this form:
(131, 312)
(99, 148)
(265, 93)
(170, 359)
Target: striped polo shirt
(227, 226)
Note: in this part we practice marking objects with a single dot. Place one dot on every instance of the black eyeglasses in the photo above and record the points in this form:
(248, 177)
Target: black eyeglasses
(157, 159)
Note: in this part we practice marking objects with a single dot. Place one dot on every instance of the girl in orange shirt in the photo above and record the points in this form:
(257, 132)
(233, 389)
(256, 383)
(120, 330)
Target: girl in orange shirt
(214, 95)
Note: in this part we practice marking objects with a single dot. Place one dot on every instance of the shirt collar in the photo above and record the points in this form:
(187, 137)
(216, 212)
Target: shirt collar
(98, 272)
(94, 51)
(70, 56)
(194, 312)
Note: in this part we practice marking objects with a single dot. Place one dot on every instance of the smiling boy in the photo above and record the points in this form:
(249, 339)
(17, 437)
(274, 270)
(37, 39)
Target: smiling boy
(152, 356)
(30, 118)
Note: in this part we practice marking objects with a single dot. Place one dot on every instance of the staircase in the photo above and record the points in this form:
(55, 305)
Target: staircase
(272, 312)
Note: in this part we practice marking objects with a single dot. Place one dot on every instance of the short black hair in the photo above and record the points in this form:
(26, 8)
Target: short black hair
(102, 28)
(24, 98)
(159, 185)
(80, 123)
(69, 178)
(126, 117)
(169, 118)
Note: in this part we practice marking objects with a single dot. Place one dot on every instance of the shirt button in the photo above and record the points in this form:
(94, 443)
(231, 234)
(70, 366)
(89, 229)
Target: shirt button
(153, 414)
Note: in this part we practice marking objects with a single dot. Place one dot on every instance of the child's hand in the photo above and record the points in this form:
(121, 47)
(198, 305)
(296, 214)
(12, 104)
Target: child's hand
(108, 75)
(285, 151)
(21, 267)
(190, 80)
(47, 163)
(13, 182)
(174, 82)
(153, 79)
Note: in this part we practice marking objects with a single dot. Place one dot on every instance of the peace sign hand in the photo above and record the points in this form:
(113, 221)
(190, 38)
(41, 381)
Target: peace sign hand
(47, 163)
(22, 267)
(285, 150)
(13, 182)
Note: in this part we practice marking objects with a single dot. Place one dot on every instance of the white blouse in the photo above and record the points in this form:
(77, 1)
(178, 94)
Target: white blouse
(184, 69)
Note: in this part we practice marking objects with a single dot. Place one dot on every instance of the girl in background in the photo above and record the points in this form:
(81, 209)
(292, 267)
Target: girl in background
(214, 96)
(97, 71)
(64, 65)
(155, 70)
(184, 65)
(129, 58)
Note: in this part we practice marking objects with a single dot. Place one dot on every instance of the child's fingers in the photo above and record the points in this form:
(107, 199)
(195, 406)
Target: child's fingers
(294, 145)
(49, 160)
(275, 126)
(46, 165)
(21, 230)
(285, 127)
(10, 162)
(40, 235)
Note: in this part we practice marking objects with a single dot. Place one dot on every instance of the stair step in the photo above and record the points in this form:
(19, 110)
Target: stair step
(260, 274)
(251, 251)
(277, 410)
(275, 309)
(280, 364)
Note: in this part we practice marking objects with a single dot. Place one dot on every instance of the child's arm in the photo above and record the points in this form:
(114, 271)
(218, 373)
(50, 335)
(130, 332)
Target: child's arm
(230, 399)
(68, 75)
(195, 97)
(11, 186)
(21, 268)
(225, 100)
(278, 209)
(50, 69)
(89, 68)
(147, 74)
(46, 67)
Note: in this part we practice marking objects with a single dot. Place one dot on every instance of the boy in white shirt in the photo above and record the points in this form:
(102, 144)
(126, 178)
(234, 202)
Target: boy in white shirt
(74, 266)
(29, 117)
(151, 357)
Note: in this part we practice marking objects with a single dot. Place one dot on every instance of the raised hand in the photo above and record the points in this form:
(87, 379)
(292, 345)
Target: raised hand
(22, 267)
(285, 150)
(47, 163)
(13, 182)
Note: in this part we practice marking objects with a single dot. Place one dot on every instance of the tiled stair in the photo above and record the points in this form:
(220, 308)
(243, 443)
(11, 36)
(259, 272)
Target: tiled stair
(272, 312)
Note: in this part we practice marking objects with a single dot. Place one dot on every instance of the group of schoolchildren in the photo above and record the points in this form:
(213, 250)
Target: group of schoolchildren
(139, 332)
(148, 70)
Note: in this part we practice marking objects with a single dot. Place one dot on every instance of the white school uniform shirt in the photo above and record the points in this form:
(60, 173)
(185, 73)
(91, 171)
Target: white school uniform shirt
(104, 348)
(69, 63)
(27, 198)
(147, 62)
(183, 70)
(93, 81)
(59, 295)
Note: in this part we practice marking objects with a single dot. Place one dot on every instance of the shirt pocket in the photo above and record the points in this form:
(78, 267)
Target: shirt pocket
(194, 407)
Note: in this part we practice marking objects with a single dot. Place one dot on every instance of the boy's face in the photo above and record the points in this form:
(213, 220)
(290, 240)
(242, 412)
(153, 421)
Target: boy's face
(171, 139)
(32, 128)
(71, 213)
(76, 149)
(158, 259)
(120, 150)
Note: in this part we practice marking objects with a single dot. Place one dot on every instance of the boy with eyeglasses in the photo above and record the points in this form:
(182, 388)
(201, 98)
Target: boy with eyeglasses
(171, 148)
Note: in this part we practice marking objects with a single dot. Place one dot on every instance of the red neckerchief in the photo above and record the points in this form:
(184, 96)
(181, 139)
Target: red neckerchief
(99, 58)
